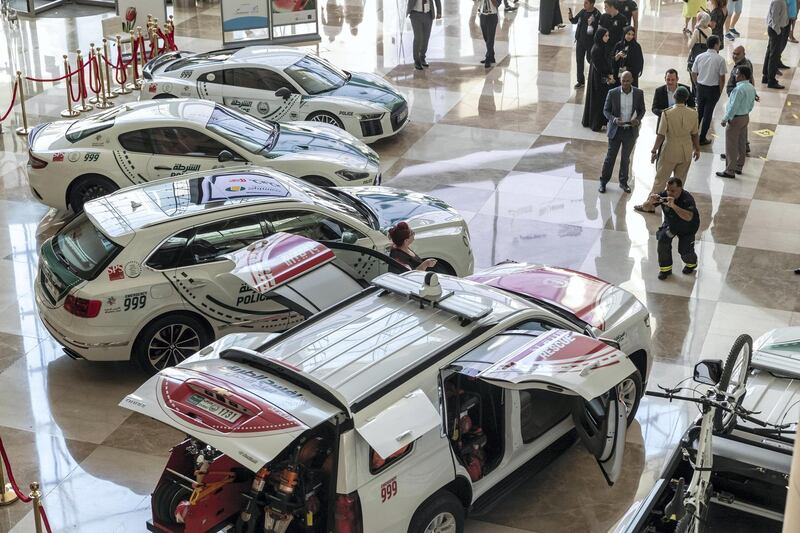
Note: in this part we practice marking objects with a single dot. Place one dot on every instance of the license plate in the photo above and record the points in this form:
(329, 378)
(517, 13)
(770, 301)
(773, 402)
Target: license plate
(214, 408)
(51, 288)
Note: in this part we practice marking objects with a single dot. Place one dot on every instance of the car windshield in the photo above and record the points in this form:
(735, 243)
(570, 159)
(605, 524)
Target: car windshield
(393, 208)
(315, 75)
(344, 205)
(251, 134)
(81, 129)
(83, 249)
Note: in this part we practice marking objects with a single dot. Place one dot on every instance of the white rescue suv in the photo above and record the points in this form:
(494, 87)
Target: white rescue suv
(395, 411)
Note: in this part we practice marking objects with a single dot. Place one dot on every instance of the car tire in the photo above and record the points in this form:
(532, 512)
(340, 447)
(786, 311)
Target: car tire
(441, 512)
(325, 118)
(168, 340)
(163, 96)
(443, 267)
(632, 390)
(319, 181)
(88, 188)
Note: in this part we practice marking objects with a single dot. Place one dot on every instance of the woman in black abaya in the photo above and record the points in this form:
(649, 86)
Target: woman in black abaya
(601, 79)
(628, 56)
(549, 16)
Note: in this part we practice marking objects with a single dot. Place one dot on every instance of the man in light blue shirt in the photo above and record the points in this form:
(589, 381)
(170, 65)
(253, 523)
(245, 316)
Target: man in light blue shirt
(735, 121)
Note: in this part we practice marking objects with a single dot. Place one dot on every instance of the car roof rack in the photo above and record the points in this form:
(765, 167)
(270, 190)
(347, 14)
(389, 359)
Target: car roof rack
(430, 292)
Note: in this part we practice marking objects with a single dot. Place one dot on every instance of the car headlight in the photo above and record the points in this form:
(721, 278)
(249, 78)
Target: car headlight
(352, 175)
(371, 116)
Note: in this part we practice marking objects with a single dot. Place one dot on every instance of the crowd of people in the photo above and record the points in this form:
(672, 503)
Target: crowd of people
(613, 103)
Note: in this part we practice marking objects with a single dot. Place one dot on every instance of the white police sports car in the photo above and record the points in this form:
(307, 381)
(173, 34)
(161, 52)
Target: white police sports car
(281, 83)
(73, 161)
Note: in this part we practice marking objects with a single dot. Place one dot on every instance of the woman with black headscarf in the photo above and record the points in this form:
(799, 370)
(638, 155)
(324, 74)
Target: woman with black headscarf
(628, 56)
(601, 79)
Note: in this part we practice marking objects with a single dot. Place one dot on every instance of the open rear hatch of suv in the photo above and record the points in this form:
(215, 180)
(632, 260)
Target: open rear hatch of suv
(258, 446)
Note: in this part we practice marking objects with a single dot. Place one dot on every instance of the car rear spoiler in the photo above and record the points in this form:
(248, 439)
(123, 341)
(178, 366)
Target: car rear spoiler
(272, 366)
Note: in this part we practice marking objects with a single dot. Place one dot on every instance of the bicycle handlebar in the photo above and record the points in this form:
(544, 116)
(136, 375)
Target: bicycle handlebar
(705, 400)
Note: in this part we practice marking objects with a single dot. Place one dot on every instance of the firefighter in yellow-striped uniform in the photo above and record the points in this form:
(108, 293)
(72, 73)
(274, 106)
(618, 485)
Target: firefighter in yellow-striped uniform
(681, 220)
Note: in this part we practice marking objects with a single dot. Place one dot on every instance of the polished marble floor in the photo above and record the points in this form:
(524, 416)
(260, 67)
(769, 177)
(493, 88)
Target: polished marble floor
(506, 148)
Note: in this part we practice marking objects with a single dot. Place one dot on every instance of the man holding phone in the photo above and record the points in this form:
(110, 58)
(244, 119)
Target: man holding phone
(624, 109)
(677, 143)
(681, 220)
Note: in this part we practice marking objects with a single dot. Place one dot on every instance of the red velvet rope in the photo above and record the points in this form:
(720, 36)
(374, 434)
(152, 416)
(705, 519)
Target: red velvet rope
(13, 100)
(60, 78)
(94, 74)
(15, 487)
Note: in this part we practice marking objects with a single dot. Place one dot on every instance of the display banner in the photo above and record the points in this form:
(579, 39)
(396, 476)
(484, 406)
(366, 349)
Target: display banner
(238, 15)
(134, 12)
(285, 12)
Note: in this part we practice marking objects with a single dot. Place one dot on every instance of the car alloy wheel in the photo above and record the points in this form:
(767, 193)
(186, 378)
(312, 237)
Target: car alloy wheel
(442, 523)
(171, 345)
(627, 391)
(89, 190)
(326, 119)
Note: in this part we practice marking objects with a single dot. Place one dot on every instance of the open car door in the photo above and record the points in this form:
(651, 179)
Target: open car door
(568, 363)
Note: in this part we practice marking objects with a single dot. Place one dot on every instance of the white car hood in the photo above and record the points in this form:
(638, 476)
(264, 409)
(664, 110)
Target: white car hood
(272, 412)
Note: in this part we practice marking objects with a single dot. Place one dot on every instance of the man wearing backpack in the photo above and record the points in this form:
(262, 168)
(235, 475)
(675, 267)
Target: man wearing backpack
(708, 73)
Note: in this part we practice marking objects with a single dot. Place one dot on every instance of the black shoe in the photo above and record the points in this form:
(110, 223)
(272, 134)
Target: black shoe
(722, 156)
(624, 187)
(725, 175)
(664, 275)
(602, 188)
(775, 85)
(424, 64)
(688, 270)
(704, 142)
(417, 66)
(578, 85)
(737, 172)
(797, 271)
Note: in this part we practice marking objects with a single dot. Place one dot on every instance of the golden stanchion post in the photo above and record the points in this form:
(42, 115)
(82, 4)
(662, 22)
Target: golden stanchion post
(36, 496)
(103, 102)
(24, 129)
(123, 88)
(108, 92)
(84, 106)
(7, 494)
(68, 112)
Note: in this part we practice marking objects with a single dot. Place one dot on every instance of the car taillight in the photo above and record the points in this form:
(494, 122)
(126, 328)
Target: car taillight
(348, 514)
(35, 162)
(82, 307)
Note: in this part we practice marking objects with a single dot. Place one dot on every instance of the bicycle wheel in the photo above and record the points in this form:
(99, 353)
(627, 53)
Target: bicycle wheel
(734, 381)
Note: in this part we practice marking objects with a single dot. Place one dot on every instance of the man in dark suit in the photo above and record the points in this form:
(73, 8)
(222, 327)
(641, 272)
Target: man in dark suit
(422, 13)
(624, 110)
(664, 98)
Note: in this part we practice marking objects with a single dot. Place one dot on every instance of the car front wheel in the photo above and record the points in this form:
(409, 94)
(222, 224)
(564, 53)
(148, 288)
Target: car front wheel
(326, 118)
(169, 340)
(441, 513)
(631, 391)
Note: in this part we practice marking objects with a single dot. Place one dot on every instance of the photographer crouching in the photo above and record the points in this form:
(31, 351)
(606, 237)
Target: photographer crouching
(681, 220)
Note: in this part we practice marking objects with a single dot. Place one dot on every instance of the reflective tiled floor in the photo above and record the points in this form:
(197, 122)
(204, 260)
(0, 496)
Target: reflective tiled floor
(505, 147)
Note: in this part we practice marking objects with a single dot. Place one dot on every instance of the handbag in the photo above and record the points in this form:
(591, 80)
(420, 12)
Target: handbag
(697, 49)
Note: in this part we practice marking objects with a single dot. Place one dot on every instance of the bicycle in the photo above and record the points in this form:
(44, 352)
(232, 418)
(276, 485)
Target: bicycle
(720, 407)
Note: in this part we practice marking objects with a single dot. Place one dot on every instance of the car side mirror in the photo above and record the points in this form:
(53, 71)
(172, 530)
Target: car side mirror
(283, 92)
(708, 371)
(225, 156)
(348, 237)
